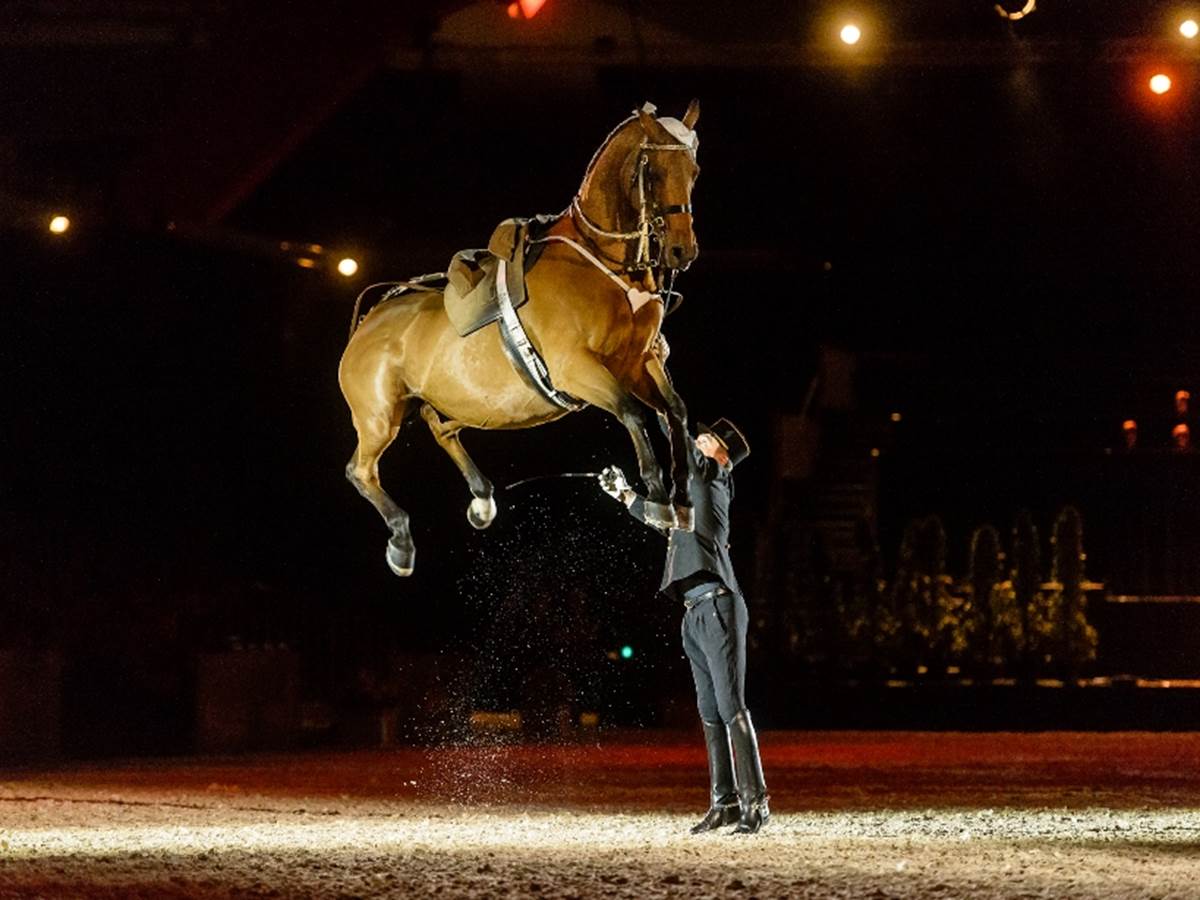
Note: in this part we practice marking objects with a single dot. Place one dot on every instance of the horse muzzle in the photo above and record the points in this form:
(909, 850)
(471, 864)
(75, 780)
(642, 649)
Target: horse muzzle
(680, 256)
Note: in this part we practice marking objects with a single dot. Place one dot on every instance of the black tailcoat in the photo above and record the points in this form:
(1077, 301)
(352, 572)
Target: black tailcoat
(704, 551)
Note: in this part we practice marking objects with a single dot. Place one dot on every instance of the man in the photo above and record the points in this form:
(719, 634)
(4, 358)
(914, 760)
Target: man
(699, 573)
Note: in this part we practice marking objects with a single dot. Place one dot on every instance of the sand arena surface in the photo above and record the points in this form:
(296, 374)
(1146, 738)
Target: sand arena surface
(855, 815)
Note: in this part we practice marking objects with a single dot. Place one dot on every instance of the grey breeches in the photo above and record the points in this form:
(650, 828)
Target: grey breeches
(714, 639)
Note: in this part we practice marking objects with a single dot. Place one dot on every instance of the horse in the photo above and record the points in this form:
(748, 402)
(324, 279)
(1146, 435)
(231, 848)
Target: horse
(594, 309)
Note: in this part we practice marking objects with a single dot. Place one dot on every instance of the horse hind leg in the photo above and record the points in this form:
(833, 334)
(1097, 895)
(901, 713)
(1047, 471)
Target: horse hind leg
(363, 472)
(482, 510)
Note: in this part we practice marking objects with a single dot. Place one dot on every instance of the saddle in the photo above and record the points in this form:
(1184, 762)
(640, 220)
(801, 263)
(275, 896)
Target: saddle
(470, 295)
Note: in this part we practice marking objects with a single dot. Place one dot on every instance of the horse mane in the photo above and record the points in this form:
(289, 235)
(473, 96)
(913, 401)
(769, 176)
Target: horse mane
(591, 166)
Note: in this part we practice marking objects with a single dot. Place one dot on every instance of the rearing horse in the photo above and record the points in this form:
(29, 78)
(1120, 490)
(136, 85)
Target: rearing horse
(593, 312)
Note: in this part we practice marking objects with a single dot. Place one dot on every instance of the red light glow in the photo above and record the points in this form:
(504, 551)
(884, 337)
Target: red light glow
(525, 9)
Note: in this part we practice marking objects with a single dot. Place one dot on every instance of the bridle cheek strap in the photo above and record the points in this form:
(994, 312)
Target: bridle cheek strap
(645, 222)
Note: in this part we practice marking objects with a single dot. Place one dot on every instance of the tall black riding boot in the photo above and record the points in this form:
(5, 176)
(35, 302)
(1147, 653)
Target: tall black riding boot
(751, 787)
(723, 808)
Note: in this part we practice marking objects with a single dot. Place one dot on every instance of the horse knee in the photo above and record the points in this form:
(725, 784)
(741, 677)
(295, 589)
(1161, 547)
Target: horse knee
(362, 477)
(355, 477)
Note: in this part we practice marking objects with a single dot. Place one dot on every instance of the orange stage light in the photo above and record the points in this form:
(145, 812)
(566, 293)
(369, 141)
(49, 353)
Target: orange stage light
(525, 9)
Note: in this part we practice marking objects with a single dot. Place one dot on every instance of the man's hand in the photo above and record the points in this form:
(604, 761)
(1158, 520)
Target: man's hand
(613, 483)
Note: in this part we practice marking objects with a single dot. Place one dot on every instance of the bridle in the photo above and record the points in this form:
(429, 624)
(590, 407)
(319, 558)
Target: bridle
(652, 218)
(651, 223)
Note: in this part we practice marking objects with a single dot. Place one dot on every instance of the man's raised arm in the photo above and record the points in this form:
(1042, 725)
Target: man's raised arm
(613, 483)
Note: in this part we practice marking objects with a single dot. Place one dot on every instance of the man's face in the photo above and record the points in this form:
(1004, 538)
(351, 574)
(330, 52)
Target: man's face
(712, 448)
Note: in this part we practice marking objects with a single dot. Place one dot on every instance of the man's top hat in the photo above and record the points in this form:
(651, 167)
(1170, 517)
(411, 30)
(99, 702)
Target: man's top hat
(730, 437)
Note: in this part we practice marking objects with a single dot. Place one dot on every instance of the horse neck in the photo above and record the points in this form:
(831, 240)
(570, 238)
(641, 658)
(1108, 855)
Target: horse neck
(602, 196)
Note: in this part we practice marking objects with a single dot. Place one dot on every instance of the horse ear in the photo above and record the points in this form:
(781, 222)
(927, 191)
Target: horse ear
(692, 114)
(646, 117)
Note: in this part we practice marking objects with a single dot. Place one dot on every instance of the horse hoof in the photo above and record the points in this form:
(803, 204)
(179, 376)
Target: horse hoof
(400, 559)
(683, 519)
(481, 512)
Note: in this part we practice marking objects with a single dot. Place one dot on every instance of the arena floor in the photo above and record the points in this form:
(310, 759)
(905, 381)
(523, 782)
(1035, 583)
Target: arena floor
(855, 814)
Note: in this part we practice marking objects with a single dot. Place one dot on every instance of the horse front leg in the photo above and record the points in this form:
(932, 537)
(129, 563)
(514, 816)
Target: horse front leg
(588, 379)
(673, 411)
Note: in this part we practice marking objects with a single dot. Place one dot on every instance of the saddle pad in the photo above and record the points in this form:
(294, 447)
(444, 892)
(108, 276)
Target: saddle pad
(470, 295)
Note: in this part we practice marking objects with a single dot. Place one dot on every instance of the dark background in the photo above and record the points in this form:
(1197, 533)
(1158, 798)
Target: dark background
(998, 214)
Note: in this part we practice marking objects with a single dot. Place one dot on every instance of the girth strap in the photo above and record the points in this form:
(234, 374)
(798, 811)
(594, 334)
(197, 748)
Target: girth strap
(521, 353)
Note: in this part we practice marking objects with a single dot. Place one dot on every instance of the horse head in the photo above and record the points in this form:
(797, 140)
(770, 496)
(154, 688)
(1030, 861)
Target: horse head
(638, 190)
(667, 157)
